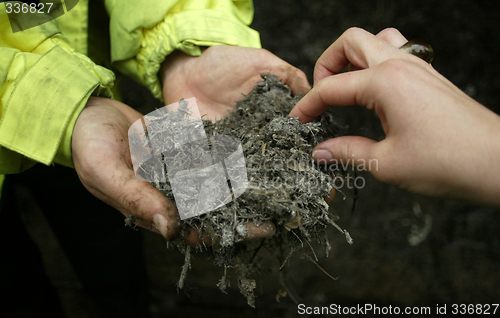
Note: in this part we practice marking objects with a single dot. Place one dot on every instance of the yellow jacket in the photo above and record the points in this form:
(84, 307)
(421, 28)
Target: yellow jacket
(48, 72)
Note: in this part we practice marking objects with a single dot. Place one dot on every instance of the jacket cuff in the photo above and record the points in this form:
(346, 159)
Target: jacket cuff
(187, 31)
(64, 152)
(39, 116)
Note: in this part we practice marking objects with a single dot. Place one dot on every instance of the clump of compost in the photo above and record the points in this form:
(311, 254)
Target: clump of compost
(285, 187)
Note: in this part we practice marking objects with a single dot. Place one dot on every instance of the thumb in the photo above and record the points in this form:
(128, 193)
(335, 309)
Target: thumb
(118, 186)
(345, 151)
(102, 160)
(145, 202)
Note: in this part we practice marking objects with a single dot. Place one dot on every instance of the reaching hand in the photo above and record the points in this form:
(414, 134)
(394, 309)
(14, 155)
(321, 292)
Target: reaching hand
(220, 76)
(439, 141)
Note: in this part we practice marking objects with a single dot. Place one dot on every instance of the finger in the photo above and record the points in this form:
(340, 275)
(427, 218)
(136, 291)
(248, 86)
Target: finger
(251, 232)
(355, 46)
(264, 230)
(294, 78)
(144, 201)
(393, 37)
(140, 199)
(193, 239)
(154, 211)
(343, 151)
(136, 223)
(340, 90)
(104, 165)
(389, 35)
(329, 198)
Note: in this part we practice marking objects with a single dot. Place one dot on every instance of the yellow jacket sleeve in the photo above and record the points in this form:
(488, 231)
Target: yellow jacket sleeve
(144, 32)
(44, 85)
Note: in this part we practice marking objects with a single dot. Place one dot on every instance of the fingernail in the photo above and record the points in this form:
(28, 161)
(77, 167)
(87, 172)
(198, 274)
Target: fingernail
(322, 154)
(161, 224)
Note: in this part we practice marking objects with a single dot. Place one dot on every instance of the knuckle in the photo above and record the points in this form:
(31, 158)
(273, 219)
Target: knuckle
(404, 71)
(173, 227)
(300, 73)
(318, 67)
(392, 32)
(286, 69)
(266, 229)
(353, 31)
(264, 52)
(130, 203)
(320, 86)
(345, 151)
(321, 89)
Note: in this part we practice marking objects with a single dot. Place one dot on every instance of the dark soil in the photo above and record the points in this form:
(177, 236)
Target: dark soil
(280, 183)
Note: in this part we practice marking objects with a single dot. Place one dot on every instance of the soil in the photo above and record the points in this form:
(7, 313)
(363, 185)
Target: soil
(280, 183)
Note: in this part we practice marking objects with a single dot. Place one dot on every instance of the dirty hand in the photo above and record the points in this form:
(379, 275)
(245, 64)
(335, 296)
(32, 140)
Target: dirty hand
(102, 161)
(221, 75)
(439, 142)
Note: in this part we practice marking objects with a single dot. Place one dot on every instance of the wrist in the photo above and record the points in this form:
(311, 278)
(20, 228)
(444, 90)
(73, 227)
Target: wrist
(172, 67)
(482, 177)
(170, 63)
(489, 180)
(174, 63)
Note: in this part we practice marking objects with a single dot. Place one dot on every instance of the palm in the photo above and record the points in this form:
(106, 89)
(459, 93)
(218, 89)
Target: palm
(217, 79)
(222, 74)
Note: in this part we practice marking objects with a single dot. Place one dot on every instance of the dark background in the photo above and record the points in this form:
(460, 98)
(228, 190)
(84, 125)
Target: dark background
(408, 250)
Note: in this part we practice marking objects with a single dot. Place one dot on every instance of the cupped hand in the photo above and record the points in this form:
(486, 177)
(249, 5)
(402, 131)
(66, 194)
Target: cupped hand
(221, 75)
(102, 161)
(439, 141)
(217, 79)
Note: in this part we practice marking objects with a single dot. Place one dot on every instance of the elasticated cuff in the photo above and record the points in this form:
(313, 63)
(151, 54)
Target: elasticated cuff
(187, 31)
